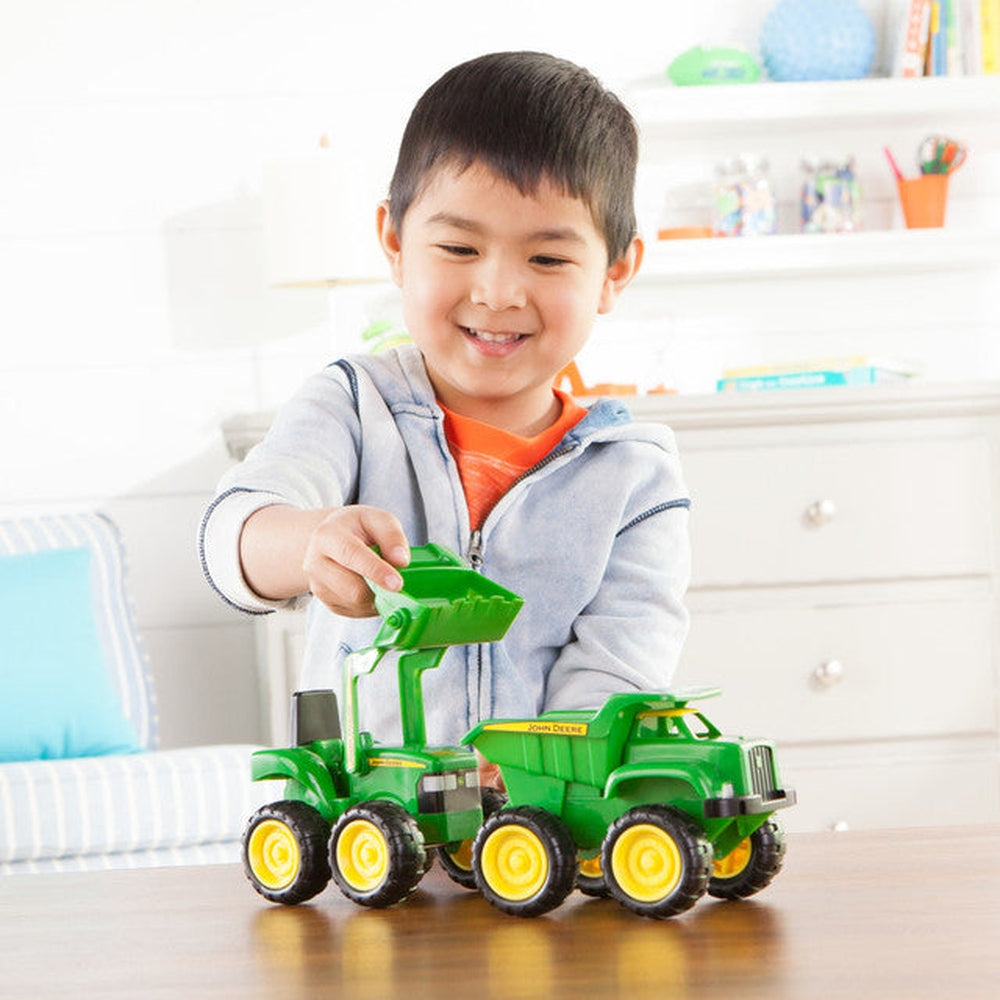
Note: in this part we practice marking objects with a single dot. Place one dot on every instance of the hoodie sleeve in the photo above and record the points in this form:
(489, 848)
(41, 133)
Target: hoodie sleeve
(309, 460)
(630, 634)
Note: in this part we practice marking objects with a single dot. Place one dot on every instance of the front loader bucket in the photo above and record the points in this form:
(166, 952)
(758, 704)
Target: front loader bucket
(443, 603)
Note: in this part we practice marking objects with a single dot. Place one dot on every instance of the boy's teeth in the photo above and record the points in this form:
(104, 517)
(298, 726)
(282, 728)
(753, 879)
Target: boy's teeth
(495, 338)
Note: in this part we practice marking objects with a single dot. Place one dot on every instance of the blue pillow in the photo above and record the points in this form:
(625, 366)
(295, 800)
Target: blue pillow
(56, 699)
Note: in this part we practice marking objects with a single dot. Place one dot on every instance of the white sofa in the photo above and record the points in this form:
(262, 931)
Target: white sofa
(82, 783)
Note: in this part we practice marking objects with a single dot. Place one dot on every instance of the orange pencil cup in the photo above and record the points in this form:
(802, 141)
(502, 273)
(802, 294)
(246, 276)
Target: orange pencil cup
(924, 200)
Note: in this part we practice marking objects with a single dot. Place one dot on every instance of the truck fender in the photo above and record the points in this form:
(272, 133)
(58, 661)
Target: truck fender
(634, 772)
(303, 766)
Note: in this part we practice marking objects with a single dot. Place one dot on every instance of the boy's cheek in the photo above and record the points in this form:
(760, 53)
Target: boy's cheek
(427, 295)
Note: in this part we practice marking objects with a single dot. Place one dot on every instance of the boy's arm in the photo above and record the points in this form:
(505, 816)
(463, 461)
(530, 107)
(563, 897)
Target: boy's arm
(285, 552)
(289, 501)
(630, 636)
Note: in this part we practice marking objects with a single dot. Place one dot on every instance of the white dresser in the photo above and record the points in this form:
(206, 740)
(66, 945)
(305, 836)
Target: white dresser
(844, 593)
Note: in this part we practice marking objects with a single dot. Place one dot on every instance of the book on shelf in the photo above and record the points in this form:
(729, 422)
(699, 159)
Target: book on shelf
(971, 36)
(854, 370)
(989, 36)
(910, 24)
(943, 37)
(936, 61)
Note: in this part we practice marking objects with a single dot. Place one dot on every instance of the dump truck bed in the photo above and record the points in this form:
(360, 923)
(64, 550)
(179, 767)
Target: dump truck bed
(580, 746)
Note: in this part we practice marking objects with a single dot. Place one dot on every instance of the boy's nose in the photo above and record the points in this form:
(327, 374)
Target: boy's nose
(498, 286)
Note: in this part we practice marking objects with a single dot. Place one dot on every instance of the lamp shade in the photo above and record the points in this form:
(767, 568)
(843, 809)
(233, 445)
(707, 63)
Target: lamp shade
(319, 220)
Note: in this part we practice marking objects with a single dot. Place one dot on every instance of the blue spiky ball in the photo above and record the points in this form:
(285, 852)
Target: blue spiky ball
(817, 40)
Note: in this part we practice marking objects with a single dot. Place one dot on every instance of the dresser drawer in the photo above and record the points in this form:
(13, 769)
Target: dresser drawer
(890, 790)
(862, 672)
(839, 511)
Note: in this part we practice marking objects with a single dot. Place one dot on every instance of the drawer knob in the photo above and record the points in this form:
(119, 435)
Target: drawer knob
(820, 512)
(828, 673)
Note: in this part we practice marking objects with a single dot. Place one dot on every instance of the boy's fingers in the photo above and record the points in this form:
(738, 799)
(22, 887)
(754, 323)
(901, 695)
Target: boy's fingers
(361, 559)
(342, 552)
(386, 532)
(344, 592)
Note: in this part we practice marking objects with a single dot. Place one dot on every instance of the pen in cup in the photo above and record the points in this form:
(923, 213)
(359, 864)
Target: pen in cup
(892, 163)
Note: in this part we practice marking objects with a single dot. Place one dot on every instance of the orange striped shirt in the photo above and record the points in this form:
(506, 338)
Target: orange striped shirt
(490, 460)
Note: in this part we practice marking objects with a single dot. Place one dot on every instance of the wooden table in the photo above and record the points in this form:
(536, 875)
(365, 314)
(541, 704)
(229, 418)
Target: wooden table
(892, 914)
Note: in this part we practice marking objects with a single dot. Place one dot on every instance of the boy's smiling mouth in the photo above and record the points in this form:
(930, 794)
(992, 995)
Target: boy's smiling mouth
(492, 342)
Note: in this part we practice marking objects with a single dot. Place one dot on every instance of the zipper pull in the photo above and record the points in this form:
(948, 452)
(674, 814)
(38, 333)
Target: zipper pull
(474, 553)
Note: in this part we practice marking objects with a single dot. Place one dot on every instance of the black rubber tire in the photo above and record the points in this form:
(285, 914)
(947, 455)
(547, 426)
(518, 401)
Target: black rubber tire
(428, 861)
(387, 834)
(592, 885)
(456, 859)
(269, 859)
(656, 861)
(519, 840)
(767, 852)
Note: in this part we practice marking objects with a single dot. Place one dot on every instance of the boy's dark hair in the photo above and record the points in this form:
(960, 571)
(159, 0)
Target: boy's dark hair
(527, 116)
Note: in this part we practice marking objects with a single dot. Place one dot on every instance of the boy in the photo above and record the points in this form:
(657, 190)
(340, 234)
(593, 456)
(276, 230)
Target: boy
(509, 227)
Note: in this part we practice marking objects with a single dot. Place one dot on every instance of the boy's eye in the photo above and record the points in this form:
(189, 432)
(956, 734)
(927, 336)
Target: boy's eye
(546, 261)
(457, 250)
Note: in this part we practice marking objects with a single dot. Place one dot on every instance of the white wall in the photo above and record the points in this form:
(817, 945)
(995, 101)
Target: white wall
(134, 315)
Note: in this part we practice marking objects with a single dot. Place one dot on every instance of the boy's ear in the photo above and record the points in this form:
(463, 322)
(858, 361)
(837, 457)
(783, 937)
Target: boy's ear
(389, 240)
(620, 273)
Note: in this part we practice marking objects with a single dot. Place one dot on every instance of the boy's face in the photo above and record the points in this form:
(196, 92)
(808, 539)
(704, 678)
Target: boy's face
(500, 290)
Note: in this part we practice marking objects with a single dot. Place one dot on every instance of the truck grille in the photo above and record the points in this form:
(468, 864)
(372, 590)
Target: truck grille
(761, 762)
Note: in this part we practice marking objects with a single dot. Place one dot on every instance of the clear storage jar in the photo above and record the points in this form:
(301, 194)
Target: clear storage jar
(830, 196)
(744, 202)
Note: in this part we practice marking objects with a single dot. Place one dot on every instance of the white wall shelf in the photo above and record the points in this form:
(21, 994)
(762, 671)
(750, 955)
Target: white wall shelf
(876, 102)
(899, 251)
(760, 295)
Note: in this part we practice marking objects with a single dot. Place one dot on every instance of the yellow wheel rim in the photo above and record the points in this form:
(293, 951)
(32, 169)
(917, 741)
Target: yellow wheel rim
(591, 867)
(646, 863)
(514, 862)
(461, 857)
(734, 862)
(273, 854)
(362, 855)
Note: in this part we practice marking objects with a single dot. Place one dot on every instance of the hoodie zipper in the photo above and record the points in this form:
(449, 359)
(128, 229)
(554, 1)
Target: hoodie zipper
(474, 550)
(474, 553)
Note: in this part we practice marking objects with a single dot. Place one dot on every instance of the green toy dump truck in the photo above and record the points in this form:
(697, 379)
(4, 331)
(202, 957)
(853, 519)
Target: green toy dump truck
(643, 800)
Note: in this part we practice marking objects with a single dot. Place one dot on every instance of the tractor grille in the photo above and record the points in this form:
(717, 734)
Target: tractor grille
(761, 763)
(447, 792)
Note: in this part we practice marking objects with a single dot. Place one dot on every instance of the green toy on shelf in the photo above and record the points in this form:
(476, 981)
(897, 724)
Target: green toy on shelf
(700, 66)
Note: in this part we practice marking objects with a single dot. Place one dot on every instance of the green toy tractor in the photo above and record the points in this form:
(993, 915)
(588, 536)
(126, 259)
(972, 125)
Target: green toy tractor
(358, 810)
(643, 800)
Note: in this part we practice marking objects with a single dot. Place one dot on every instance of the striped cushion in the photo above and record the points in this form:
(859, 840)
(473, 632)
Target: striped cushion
(126, 660)
(163, 807)
(166, 807)
(224, 853)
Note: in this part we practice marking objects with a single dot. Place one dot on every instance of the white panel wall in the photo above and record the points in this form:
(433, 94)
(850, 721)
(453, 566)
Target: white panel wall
(134, 316)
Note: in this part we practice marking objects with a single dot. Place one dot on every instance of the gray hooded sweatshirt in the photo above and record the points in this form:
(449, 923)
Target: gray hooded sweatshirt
(594, 538)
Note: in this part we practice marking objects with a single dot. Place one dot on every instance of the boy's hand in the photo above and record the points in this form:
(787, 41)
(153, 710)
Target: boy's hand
(489, 774)
(339, 558)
